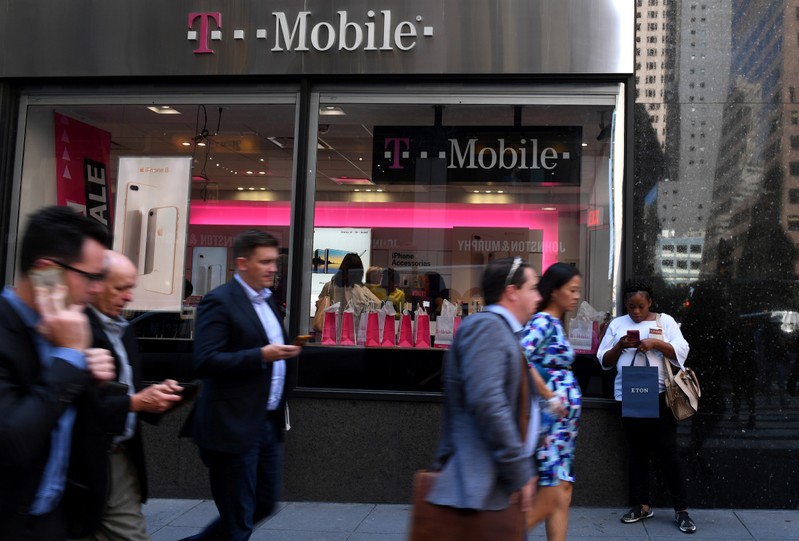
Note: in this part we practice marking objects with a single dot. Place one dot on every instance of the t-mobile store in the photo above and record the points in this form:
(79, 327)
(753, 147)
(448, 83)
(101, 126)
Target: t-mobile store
(425, 137)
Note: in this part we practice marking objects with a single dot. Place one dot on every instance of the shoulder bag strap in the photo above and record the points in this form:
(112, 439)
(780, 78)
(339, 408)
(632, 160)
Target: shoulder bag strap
(666, 363)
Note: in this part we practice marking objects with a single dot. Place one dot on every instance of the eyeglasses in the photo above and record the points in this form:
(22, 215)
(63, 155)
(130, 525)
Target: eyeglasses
(91, 276)
(517, 261)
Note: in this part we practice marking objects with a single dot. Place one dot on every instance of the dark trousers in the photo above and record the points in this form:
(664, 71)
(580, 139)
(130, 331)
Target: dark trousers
(654, 438)
(245, 486)
(48, 527)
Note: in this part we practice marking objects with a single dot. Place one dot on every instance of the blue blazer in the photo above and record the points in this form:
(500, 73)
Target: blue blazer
(235, 381)
(481, 446)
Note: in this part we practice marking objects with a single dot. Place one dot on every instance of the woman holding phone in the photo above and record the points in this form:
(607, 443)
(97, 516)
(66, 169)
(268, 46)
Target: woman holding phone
(658, 337)
(550, 357)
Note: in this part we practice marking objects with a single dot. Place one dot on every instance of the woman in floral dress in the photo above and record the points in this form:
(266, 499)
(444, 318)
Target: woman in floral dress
(550, 356)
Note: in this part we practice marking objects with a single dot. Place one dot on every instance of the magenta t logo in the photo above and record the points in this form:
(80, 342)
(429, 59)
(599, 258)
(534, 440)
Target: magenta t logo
(396, 153)
(203, 34)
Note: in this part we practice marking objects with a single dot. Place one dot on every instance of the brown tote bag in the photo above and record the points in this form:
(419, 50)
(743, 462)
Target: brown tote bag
(431, 522)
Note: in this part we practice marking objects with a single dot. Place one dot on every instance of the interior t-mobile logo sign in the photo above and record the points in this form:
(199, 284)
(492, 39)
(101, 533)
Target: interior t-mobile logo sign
(379, 32)
(541, 154)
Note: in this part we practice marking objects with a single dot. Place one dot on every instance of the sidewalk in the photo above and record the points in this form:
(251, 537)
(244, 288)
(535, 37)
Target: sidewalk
(170, 520)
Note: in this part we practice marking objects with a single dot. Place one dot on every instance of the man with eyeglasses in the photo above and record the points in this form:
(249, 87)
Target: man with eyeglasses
(107, 480)
(487, 439)
(46, 363)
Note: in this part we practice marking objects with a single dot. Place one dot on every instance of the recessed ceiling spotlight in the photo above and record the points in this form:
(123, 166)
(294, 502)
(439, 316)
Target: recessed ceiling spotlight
(357, 189)
(251, 188)
(261, 172)
(164, 110)
(240, 189)
(331, 110)
(379, 190)
(262, 189)
(585, 144)
(262, 159)
(186, 143)
(488, 191)
(500, 191)
(476, 191)
(248, 172)
(548, 208)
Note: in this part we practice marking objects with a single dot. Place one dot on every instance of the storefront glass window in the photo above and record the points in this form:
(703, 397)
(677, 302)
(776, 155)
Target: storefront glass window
(421, 191)
(175, 182)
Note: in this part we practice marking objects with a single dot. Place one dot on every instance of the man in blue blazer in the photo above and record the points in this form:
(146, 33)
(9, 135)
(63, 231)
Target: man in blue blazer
(240, 354)
(485, 458)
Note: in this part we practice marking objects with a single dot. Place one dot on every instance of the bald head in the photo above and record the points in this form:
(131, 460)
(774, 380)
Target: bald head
(118, 285)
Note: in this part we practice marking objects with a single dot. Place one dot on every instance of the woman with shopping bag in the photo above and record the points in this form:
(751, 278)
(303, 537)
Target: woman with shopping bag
(632, 342)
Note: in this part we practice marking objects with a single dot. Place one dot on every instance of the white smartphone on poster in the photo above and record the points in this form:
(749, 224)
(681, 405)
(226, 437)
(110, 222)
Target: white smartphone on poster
(160, 248)
(134, 230)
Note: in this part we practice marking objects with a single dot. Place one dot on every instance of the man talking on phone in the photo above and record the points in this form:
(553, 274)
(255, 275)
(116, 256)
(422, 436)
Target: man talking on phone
(46, 363)
(107, 480)
(240, 354)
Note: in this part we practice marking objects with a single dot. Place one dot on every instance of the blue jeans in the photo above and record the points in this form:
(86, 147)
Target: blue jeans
(245, 486)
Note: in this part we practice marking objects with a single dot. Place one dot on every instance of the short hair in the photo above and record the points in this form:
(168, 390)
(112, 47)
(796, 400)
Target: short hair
(246, 242)
(636, 285)
(350, 272)
(496, 278)
(555, 277)
(58, 233)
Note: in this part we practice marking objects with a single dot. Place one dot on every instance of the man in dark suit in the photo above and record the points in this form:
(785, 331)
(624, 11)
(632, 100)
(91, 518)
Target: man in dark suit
(45, 365)
(107, 480)
(240, 355)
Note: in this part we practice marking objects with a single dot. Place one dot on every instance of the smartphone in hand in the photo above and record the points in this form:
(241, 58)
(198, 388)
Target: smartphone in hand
(47, 278)
(301, 339)
(633, 337)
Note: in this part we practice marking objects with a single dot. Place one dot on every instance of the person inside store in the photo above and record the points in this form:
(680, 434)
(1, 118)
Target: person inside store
(374, 282)
(435, 293)
(485, 452)
(346, 288)
(659, 339)
(395, 294)
(107, 480)
(46, 364)
(241, 355)
(550, 357)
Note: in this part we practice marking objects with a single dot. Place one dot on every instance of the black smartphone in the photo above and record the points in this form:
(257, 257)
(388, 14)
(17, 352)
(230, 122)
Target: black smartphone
(189, 390)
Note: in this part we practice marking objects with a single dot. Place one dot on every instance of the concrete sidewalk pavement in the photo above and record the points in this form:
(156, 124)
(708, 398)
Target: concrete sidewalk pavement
(170, 520)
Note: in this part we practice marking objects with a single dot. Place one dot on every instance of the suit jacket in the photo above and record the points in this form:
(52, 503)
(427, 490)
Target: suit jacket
(235, 380)
(102, 414)
(32, 398)
(485, 459)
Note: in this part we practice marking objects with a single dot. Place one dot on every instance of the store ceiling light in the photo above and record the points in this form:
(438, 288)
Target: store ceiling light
(164, 110)
(330, 110)
(352, 181)
(548, 208)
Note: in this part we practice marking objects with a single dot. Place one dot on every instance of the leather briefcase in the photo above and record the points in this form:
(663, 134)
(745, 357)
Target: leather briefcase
(431, 522)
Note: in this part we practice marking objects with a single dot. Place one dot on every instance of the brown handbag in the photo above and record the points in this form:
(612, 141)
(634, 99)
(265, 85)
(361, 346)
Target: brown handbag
(431, 522)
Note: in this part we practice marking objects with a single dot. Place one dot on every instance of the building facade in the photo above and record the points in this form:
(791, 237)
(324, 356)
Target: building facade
(648, 138)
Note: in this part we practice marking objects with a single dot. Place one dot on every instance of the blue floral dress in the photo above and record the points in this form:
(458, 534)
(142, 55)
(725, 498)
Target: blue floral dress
(545, 345)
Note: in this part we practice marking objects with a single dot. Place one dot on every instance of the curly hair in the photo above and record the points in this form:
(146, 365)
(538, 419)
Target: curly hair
(636, 285)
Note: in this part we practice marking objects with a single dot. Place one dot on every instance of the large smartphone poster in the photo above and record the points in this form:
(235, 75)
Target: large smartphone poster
(152, 203)
(82, 155)
(330, 245)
